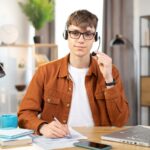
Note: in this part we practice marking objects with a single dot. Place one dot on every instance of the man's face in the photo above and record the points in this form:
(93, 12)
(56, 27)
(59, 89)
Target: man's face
(80, 40)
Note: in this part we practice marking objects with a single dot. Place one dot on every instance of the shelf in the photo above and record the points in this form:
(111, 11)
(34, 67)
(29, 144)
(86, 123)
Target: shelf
(31, 45)
(145, 17)
(145, 46)
(50, 46)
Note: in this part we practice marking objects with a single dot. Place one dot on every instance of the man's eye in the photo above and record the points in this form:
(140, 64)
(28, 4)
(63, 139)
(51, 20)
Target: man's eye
(88, 34)
(75, 33)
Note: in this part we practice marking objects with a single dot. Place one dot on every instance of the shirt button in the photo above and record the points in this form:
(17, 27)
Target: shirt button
(64, 121)
(68, 105)
(69, 89)
(48, 100)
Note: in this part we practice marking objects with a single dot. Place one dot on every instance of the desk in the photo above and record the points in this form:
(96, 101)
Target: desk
(93, 134)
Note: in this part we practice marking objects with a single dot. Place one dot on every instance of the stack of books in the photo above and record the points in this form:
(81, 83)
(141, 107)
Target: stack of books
(15, 137)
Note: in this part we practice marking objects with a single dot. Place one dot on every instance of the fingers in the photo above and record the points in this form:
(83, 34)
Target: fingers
(58, 131)
(103, 59)
(54, 130)
(60, 128)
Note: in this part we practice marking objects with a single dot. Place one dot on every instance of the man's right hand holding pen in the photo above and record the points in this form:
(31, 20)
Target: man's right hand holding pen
(54, 129)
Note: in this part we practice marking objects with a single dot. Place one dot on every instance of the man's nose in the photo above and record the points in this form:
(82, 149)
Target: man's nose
(81, 38)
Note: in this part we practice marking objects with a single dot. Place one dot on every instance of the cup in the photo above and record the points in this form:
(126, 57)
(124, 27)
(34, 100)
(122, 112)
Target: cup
(8, 121)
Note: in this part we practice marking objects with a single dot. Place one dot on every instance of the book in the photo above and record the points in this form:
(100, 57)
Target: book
(21, 141)
(14, 133)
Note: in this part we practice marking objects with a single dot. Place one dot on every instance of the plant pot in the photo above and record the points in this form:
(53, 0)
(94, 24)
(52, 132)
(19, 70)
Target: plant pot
(37, 39)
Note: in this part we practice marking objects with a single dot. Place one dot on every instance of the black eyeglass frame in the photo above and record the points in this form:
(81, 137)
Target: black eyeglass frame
(81, 33)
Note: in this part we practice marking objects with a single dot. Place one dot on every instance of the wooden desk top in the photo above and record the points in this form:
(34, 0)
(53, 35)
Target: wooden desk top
(93, 134)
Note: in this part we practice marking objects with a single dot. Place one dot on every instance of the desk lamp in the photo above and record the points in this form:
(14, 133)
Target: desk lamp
(2, 73)
(118, 40)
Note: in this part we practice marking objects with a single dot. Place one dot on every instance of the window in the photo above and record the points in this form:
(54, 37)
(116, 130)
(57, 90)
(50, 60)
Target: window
(64, 8)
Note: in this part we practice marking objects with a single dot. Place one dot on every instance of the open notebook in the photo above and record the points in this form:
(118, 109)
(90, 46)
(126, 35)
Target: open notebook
(138, 135)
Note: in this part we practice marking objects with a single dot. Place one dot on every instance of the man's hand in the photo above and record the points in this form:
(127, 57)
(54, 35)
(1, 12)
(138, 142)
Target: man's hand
(54, 130)
(105, 65)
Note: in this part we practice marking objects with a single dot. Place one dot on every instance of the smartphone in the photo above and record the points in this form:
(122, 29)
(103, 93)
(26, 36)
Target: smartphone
(93, 145)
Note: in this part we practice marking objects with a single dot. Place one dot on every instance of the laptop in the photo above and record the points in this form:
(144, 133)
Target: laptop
(138, 135)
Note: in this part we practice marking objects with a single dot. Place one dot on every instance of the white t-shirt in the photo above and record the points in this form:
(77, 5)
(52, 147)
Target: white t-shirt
(80, 112)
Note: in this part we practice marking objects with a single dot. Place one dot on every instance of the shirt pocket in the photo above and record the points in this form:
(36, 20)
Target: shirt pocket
(100, 99)
(52, 104)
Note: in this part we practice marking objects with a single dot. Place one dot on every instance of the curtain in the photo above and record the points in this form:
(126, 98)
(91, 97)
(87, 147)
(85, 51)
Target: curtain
(118, 19)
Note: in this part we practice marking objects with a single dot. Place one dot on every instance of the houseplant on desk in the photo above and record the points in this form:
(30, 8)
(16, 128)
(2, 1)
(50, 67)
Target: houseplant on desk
(39, 12)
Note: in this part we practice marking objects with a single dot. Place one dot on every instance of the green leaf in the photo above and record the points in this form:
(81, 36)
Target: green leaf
(39, 12)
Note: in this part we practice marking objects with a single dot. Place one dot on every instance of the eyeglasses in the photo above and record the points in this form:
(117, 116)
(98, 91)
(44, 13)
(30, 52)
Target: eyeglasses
(76, 35)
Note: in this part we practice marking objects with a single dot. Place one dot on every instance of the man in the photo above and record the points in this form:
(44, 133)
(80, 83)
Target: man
(77, 90)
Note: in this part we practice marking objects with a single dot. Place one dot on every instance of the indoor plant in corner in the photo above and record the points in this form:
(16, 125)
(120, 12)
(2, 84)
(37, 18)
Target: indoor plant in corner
(39, 12)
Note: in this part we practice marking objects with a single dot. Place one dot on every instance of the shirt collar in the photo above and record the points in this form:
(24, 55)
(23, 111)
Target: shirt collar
(63, 72)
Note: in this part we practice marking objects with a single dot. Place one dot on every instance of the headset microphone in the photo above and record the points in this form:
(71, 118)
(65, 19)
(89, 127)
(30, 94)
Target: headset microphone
(95, 52)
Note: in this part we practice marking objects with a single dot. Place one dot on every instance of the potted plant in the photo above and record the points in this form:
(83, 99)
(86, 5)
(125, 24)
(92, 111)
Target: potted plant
(39, 12)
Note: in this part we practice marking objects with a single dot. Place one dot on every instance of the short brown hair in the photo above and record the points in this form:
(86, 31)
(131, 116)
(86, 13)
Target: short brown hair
(82, 18)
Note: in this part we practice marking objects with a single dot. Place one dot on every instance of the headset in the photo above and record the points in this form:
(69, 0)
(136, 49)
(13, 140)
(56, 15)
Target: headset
(65, 35)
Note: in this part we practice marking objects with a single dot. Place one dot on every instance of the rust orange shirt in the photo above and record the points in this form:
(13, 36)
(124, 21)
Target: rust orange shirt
(50, 92)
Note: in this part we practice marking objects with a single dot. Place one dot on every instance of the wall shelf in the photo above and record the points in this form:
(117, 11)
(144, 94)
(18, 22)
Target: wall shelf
(144, 67)
(11, 56)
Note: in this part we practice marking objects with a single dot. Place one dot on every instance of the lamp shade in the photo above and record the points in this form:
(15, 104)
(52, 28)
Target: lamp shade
(118, 40)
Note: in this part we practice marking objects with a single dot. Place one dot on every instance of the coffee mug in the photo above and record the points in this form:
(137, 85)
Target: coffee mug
(8, 121)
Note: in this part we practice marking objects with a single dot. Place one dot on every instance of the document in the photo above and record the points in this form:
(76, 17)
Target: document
(51, 143)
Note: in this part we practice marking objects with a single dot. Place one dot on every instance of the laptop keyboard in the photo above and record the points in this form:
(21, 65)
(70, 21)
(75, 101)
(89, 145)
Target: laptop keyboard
(137, 133)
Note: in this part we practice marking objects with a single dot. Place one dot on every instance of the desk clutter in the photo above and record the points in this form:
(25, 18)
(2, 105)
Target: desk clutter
(10, 134)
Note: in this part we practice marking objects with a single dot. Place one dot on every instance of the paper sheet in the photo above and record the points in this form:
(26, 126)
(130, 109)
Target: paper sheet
(49, 143)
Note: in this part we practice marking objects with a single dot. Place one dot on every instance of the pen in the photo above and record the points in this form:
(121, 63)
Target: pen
(69, 135)
(56, 120)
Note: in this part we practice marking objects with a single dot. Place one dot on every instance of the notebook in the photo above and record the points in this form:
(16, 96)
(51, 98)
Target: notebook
(21, 141)
(14, 133)
(138, 135)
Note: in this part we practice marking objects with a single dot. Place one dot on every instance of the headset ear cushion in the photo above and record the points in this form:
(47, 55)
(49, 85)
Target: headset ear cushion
(65, 35)
(96, 36)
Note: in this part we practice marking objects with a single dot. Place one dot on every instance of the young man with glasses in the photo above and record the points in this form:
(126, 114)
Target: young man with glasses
(77, 90)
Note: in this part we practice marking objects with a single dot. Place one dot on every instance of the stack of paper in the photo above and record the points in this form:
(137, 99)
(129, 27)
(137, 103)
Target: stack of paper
(15, 137)
(51, 143)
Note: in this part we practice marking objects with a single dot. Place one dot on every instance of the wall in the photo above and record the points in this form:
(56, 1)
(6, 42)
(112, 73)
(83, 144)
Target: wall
(10, 13)
(141, 7)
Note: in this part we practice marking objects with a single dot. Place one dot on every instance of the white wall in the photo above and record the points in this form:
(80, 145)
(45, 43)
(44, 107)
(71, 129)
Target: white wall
(64, 8)
(141, 7)
(10, 13)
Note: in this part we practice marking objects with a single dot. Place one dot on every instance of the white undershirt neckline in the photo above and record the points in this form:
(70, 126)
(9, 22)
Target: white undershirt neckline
(80, 111)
